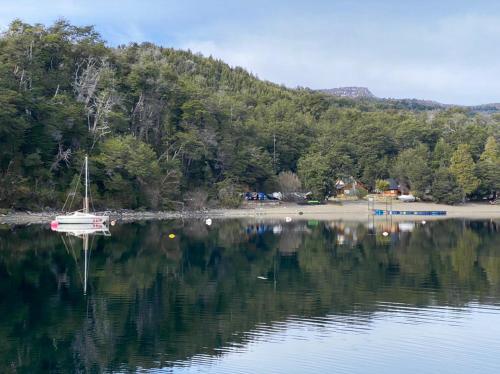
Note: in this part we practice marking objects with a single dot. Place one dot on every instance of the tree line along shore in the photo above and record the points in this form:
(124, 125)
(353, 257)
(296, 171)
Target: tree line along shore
(170, 129)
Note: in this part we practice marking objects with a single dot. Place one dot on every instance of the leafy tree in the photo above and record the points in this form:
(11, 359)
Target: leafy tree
(412, 168)
(489, 166)
(445, 188)
(315, 173)
(382, 185)
(442, 154)
(13, 125)
(462, 166)
(131, 165)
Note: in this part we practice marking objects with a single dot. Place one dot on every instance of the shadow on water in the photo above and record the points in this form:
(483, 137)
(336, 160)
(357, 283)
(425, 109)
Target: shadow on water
(155, 301)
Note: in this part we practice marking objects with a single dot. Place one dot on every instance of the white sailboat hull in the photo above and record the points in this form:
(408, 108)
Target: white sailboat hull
(82, 218)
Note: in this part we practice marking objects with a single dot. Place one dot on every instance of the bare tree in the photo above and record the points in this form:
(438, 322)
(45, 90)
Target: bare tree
(147, 115)
(63, 155)
(289, 182)
(87, 75)
(95, 87)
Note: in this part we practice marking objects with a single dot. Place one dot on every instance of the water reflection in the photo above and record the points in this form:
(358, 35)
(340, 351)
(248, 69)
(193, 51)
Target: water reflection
(83, 232)
(238, 286)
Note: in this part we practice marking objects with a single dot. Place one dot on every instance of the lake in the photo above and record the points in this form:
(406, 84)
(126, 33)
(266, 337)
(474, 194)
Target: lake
(253, 297)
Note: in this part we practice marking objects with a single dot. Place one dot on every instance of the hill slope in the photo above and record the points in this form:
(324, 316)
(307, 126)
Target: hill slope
(167, 128)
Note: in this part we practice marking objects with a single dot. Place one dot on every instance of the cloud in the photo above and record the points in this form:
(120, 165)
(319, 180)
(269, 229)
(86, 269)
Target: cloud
(444, 50)
(130, 33)
(451, 59)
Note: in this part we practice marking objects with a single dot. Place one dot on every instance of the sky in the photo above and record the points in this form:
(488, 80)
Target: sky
(443, 50)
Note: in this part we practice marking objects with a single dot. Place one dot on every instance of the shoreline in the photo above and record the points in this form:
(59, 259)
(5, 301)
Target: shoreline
(347, 211)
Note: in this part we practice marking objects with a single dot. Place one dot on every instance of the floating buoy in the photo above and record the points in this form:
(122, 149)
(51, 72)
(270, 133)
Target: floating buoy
(288, 219)
(423, 222)
(208, 221)
(171, 236)
(385, 233)
(113, 222)
(54, 225)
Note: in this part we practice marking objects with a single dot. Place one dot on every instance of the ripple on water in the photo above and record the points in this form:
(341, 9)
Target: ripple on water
(431, 338)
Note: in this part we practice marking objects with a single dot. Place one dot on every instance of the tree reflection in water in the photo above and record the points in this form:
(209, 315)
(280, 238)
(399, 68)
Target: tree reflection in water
(153, 301)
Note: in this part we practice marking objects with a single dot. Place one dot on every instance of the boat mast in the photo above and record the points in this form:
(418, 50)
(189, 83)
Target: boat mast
(86, 200)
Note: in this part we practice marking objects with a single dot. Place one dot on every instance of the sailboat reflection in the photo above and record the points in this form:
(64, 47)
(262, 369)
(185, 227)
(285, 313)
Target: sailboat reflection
(82, 231)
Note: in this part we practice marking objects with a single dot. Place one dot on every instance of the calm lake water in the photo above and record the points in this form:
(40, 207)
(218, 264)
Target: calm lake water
(242, 296)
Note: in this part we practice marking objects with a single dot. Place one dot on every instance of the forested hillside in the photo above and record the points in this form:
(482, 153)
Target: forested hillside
(164, 127)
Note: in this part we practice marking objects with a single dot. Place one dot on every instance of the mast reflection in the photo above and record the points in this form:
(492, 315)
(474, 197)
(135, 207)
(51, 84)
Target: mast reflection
(82, 231)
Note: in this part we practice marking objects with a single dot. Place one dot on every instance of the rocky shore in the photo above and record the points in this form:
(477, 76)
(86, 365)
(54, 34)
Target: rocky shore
(349, 211)
(25, 218)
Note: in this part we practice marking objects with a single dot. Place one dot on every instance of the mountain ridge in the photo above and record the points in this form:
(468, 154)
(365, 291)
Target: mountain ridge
(352, 92)
(364, 93)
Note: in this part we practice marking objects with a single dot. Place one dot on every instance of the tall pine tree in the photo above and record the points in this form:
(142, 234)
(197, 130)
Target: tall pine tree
(462, 166)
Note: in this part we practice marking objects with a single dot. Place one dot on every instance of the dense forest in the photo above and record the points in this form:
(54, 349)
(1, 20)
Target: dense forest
(165, 127)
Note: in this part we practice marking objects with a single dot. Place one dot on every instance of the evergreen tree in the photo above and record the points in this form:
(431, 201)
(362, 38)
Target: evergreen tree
(441, 155)
(462, 166)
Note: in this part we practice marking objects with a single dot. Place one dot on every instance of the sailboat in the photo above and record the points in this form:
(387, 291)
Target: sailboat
(82, 216)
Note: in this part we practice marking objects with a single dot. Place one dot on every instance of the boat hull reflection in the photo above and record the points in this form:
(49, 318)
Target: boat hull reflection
(78, 229)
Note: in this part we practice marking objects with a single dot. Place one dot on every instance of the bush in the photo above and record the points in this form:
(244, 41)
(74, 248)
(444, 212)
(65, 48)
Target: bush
(360, 193)
(229, 194)
(197, 199)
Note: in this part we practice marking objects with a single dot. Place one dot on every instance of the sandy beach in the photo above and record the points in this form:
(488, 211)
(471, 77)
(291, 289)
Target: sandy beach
(358, 210)
(348, 211)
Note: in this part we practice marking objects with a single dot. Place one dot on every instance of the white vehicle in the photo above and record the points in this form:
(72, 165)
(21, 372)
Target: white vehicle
(407, 198)
(83, 216)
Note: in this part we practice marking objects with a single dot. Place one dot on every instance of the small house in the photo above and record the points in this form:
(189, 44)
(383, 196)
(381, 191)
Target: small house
(349, 187)
(394, 188)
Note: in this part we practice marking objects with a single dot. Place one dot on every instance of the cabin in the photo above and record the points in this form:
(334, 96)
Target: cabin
(348, 187)
(394, 189)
